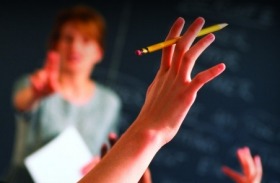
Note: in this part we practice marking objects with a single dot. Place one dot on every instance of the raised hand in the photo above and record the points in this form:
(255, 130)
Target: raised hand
(167, 103)
(251, 167)
(45, 80)
(173, 91)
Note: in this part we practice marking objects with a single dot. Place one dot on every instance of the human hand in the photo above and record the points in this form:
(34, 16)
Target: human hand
(112, 138)
(173, 91)
(45, 80)
(251, 167)
(168, 100)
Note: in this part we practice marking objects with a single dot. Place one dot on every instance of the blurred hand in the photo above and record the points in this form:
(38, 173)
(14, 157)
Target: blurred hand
(45, 81)
(251, 167)
(104, 149)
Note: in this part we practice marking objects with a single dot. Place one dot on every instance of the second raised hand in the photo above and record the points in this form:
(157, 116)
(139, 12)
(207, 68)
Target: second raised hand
(45, 81)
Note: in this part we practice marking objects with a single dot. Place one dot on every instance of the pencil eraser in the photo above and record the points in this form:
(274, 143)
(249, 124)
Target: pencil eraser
(138, 52)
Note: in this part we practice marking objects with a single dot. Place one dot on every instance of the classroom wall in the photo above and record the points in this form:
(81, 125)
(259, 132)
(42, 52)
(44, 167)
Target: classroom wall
(239, 108)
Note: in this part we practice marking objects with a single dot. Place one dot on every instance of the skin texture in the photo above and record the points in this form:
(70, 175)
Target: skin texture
(146, 177)
(168, 100)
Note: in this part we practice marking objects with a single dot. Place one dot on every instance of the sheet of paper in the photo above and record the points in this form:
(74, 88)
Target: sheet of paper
(60, 160)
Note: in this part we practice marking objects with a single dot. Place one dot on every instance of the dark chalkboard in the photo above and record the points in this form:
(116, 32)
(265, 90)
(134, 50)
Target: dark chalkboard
(240, 108)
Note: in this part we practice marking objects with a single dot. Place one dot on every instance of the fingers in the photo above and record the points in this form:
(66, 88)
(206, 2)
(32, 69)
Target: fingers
(52, 62)
(191, 56)
(203, 77)
(167, 52)
(185, 55)
(252, 167)
(104, 150)
(52, 66)
(185, 42)
(237, 177)
(246, 161)
(258, 165)
(112, 140)
(36, 79)
(52, 69)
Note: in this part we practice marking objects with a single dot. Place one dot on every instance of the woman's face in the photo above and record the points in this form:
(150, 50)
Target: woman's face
(78, 52)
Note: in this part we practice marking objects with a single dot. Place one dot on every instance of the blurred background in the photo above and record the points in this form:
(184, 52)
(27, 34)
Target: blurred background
(240, 108)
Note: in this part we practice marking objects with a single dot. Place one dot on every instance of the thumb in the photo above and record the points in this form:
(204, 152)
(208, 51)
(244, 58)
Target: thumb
(52, 68)
(237, 177)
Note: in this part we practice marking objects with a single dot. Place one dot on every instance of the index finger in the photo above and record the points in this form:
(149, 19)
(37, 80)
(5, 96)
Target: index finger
(167, 52)
(259, 171)
(237, 177)
(52, 62)
(246, 161)
(185, 42)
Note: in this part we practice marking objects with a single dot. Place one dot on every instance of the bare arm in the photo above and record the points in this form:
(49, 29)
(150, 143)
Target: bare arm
(25, 99)
(168, 101)
(146, 177)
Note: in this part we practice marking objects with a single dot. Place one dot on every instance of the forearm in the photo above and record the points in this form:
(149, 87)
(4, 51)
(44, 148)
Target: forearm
(129, 157)
(25, 99)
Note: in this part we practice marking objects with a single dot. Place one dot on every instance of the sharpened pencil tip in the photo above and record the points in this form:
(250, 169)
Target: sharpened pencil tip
(223, 25)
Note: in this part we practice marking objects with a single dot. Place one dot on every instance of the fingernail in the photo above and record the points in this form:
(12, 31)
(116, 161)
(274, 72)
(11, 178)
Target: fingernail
(210, 36)
(112, 135)
(199, 20)
(222, 66)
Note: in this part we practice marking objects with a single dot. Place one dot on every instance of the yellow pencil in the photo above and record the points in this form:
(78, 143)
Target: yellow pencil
(170, 42)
